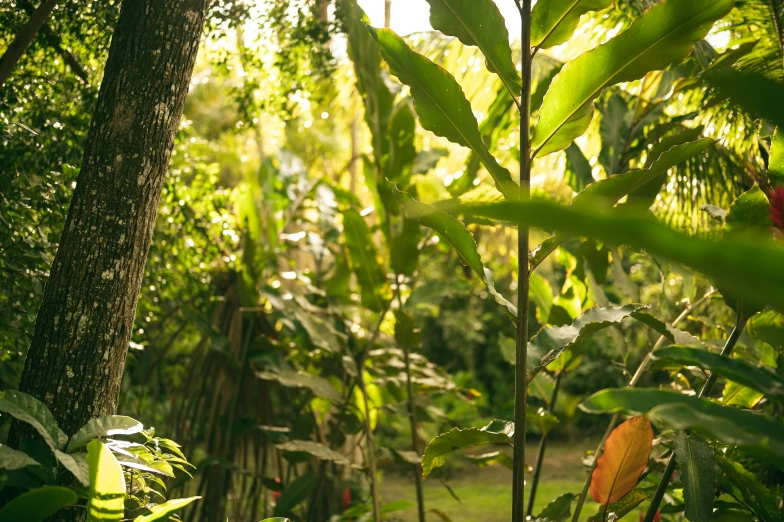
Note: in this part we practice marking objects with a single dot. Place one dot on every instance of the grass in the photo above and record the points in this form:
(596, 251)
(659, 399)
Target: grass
(486, 494)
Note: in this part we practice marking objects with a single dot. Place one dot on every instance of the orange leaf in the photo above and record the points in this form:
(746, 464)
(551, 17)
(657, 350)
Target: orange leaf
(624, 459)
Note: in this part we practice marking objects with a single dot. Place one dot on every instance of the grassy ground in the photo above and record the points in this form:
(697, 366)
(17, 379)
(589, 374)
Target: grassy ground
(486, 493)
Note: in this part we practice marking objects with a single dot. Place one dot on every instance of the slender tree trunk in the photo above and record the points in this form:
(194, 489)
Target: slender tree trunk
(18, 47)
(523, 273)
(387, 13)
(75, 363)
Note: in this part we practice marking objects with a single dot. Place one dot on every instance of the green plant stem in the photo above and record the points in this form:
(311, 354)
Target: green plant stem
(644, 365)
(523, 278)
(542, 448)
(371, 445)
(732, 340)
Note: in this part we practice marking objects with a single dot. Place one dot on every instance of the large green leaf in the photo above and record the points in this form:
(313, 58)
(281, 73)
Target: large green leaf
(104, 427)
(456, 234)
(76, 463)
(320, 451)
(553, 21)
(608, 192)
(747, 488)
(756, 94)
(776, 163)
(107, 484)
(757, 434)
(436, 453)
(479, 23)
(749, 215)
(440, 102)
(27, 408)
(38, 505)
(579, 173)
(162, 511)
(558, 510)
(768, 326)
(697, 463)
(621, 508)
(11, 459)
(749, 267)
(294, 494)
(551, 341)
(363, 51)
(364, 261)
(318, 385)
(663, 35)
(404, 254)
(738, 370)
(402, 153)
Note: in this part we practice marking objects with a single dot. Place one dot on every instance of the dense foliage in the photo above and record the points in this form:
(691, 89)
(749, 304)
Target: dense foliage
(332, 295)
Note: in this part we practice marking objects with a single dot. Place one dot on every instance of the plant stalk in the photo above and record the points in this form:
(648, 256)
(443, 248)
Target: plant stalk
(542, 448)
(523, 279)
(371, 445)
(414, 439)
(632, 383)
(732, 340)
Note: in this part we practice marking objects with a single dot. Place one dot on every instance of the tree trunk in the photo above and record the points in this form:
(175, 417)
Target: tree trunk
(26, 35)
(76, 358)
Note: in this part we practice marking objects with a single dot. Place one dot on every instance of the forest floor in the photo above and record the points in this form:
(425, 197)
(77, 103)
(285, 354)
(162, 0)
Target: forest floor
(485, 493)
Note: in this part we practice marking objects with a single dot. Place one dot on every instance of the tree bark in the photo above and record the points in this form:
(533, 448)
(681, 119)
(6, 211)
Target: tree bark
(26, 35)
(76, 358)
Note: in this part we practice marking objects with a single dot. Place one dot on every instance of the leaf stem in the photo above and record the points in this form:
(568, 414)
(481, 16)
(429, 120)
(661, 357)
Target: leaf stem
(732, 340)
(632, 383)
(523, 279)
(542, 448)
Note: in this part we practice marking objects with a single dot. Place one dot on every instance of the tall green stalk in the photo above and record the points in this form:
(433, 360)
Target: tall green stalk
(543, 447)
(523, 277)
(371, 445)
(732, 340)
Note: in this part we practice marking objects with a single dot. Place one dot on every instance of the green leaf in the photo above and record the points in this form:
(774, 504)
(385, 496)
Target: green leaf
(436, 453)
(756, 377)
(107, 484)
(76, 463)
(776, 163)
(38, 505)
(377, 98)
(621, 508)
(542, 295)
(397, 167)
(768, 326)
(404, 254)
(614, 129)
(663, 35)
(363, 259)
(440, 102)
(320, 451)
(757, 95)
(291, 379)
(553, 21)
(27, 408)
(579, 173)
(104, 427)
(672, 334)
(479, 23)
(749, 216)
(558, 510)
(11, 459)
(456, 234)
(608, 192)
(406, 333)
(551, 341)
(162, 511)
(758, 435)
(697, 463)
(747, 488)
(542, 419)
(750, 268)
(294, 494)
